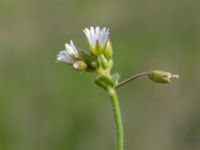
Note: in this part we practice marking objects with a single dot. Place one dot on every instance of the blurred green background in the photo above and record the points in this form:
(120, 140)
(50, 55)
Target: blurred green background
(49, 106)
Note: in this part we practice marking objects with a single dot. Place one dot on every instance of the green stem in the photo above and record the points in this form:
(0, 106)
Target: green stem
(117, 118)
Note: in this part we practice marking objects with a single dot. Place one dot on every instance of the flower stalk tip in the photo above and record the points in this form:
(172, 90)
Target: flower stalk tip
(161, 76)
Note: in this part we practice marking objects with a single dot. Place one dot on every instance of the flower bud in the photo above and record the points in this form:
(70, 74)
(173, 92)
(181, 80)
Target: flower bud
(108, 52)
(80, 65)
(161, 76)
(105, 63)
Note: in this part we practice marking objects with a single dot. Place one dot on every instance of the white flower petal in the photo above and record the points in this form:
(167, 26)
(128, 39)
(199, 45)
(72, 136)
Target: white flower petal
(71, 49)
(74, 48)
(95, 35)
(64, 57)
(97, 30)
(103, 37)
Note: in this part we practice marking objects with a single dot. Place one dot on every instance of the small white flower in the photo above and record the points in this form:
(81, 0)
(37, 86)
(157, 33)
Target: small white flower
(71, 50)
(97, 36)
(69, 55)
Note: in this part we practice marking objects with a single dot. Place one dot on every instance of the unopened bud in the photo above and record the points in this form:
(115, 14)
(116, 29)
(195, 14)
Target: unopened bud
(108, 51)
(161, 76)
(105, 63)
(80, 65)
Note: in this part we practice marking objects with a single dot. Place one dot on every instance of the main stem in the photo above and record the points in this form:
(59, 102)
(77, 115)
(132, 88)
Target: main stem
(117, 118)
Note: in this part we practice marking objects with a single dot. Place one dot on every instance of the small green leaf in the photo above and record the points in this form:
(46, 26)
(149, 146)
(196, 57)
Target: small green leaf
(104, 82)
(115, 78)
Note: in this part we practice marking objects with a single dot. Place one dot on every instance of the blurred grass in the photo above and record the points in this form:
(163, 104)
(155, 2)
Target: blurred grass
(48, 106)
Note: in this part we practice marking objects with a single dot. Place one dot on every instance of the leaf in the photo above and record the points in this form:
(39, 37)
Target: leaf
(104, 82)
(115, 78)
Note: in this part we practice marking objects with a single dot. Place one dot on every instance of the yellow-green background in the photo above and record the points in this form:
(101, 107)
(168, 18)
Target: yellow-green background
(49, 106)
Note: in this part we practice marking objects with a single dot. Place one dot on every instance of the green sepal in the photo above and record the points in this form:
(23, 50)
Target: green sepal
(89, 59)
(104, 82)
(110, 63)
(104, 62)
(97, 50)
(115, 78)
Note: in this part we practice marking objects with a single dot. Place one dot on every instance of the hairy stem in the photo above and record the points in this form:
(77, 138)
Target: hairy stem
(117, 118)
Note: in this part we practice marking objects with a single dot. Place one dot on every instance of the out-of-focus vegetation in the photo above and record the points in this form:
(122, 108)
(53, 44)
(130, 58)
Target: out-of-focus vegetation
(49, 106)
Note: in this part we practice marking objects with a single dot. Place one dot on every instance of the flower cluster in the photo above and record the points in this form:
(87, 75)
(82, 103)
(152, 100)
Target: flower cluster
(99, 59)
(99, 45)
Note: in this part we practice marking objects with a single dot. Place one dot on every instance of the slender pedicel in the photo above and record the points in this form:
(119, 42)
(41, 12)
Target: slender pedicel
(140, 75)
